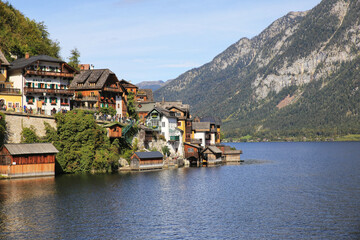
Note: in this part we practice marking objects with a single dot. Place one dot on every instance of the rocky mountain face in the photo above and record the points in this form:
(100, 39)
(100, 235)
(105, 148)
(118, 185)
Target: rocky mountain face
(260, 80)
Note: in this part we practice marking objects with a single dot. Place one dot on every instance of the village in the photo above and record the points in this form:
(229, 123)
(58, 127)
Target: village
(44, 86)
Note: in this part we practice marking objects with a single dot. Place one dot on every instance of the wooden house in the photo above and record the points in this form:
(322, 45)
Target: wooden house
(146, 161)
(27, 160)
(192, 153)
(130, 88)
(229, 155)
(212, 155)
(97, 88)
(114, 130)
(144, 95)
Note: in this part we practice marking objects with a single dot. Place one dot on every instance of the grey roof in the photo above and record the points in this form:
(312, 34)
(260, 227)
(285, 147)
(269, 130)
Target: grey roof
(113, 124)
(145, 106)
(162, 111)
(24, 62)
(212, 120)
(3, 60)
(232, 152)
(149, 155)
(127, 84)
(201, 126)
(30, 148)
(214, 149)
(97, 76)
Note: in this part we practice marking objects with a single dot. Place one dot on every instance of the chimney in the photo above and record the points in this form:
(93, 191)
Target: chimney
(27, 55)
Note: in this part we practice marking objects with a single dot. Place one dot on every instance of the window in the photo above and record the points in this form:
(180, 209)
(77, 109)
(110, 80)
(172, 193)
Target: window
(163, 124)
(2, 70)
(190, 150)
(92, 94)
(179, 124)
(9, 104)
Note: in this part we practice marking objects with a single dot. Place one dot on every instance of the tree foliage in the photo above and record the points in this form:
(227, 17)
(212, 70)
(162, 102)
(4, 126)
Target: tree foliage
(83, 145)
(19, 34)
(28, 135)
(131, 106)
(74, 59)
(2, 129)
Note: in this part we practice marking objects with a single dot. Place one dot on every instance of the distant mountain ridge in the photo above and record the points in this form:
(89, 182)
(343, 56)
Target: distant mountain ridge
(307, 61)
(153, 85)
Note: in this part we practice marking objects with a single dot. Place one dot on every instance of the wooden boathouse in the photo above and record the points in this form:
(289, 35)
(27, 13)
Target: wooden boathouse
(27, 160)
(212, 155)
(146, 161)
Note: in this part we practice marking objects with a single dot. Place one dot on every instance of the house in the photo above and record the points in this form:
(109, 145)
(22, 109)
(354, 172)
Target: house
(97, 88)
(146, 161)
(182, 112)
(142, 109)
(130, 88)
(10, 98)
(44, 83)
(201, 132)
(27, 160)
(144, 95)
(165, 122)
(192, 153)
(114, 130)
(212, 155)
(215, 124)
(229, 155)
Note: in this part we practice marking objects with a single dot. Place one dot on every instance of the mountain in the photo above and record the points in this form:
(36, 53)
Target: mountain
(297, 77)
(19, 34)
(154, 85)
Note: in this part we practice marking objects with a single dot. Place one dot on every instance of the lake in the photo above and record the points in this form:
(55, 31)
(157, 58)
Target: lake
(281, 191)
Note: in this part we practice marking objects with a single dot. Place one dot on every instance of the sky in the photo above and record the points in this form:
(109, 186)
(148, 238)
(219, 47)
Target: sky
(149, 40)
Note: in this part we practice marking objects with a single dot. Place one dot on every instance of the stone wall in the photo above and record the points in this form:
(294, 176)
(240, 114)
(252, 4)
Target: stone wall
(16, 121)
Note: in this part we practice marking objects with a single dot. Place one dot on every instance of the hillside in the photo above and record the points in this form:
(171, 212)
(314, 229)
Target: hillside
(19, 34)
(299, 77)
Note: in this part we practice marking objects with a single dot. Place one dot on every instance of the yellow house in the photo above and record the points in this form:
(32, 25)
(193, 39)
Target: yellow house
(10, 98)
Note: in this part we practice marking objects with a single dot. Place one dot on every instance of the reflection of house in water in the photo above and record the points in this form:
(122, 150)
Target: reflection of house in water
(28, 160)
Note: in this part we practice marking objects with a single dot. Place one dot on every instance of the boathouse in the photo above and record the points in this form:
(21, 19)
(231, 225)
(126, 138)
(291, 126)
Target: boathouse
(212, 155)
(229, 155)
(146, 161)
(27, 160)
(192, 153)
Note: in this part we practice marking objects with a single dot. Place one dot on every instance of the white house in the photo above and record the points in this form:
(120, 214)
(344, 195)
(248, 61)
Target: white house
(165, 122)
(44, 83)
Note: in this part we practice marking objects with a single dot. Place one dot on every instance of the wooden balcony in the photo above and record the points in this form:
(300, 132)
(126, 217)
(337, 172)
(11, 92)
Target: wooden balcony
(87, 99)
(110, 89)
(10, 90)
(48, 73)
(48, 91)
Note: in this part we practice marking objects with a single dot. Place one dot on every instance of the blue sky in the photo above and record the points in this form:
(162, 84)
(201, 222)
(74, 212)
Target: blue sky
(145, 40)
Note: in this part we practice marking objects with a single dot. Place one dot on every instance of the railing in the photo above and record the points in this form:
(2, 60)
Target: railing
(86, 99)
(10, 90)
(48, 73)
(174, 138)
(109, 89)
(47, 90)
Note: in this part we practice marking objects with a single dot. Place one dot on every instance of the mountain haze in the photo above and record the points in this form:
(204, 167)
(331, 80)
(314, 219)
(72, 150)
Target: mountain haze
(299, 76)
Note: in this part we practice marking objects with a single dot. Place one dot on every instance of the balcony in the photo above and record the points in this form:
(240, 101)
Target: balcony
(49, 91)
(110, 89)
(87, 99)
(10, 90)
(174, 138)
(48, 73)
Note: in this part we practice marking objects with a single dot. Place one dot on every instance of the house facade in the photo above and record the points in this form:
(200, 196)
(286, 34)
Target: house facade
(10, 98)
(44, 83)
(165, 123)
(97, 88)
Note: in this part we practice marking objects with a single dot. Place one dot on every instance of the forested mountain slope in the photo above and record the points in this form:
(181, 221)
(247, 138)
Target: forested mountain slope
(300, 76)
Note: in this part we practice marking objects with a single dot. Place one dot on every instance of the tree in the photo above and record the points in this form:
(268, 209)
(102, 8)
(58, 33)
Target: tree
(131, 106)
(28, 135)
(74, 59)
(2, 129)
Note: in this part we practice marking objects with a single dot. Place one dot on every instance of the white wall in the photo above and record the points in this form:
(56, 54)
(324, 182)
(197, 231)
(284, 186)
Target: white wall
(200, 135)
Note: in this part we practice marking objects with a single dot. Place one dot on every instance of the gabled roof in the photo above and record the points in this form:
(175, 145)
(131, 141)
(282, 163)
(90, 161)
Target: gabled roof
(30, 148)
(149, 155)
(146, 92)
(145, 106)
(3, 60)
(92, 79)
(179, 105)
(201, 126)
(213, 149)
(192, 145)
(212, 120)
(162, 111)
(24, 62)
(113, 124)
(127, 84)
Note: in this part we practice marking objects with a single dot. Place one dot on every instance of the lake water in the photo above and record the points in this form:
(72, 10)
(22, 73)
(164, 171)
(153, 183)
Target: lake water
(281, 191)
